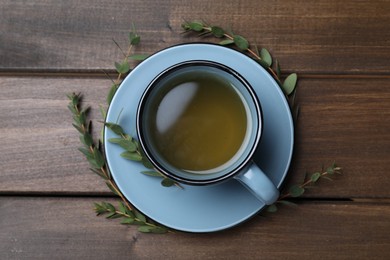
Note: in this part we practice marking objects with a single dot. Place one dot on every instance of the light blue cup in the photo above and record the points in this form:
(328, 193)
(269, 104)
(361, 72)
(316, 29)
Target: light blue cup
(241, 166)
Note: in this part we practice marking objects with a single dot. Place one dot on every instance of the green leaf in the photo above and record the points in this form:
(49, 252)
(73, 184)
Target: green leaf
(330, 170)
(158, 230)
(109, 185)
(145, 229)
(123, 67)
(122, 207)
(288, 203)
(130, 213)
(93, 163)
(98, 158)
(111, 93)
(195, 26)
(289, 83)
(152, 173)
(86, 152)
(167, 182)
(296, 191)
(272, 208)
(108, 206)
(139, 216)
(315, 176)
(131, 156)
(138, 57)
(266, 56)
(99, 209)
(128, 145)
(117, 129)
(217, 31)
(278, 70)
(127, 221)
(147, 163)
(98, 172)
(113, 215)
(241, 42)
(226, 42)
(134, 38)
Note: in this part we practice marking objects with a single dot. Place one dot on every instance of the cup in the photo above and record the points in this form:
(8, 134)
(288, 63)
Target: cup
(199, 123)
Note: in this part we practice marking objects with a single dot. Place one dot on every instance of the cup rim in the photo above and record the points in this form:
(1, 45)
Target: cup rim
(253, 146)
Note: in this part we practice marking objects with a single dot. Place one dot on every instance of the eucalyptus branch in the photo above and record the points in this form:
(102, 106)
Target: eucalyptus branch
(123, 67)
(263, 57)
(129, 217)
(92, 151)
(299, 189)
(133, 152)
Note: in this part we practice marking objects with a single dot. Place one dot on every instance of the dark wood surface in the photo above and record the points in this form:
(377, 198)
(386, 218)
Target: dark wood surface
(341, 51)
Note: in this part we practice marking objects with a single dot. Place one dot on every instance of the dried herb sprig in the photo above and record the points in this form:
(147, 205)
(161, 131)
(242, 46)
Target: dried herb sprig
(298, 190)
(263, 57)
(92, 151)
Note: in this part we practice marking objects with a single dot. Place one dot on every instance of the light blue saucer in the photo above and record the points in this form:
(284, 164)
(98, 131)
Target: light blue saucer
(205, 208)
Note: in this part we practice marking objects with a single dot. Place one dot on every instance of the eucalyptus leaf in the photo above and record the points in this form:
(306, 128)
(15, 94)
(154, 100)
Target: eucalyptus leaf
(98, 172)
(289, 83)
(241, 42)
(217, 31)
(288, 203)
(167, 182)
(139, 216)
(108, 206)
(266, 56)
(117, 129)
(159, 230)
(123, 67)
(278, 70)
(296, 191)
(133, 156)
(330, 170)
(147, 163)
(315, 176)
(130, 213)
(152, 173)
(128, 145)
(86, 152)
(196, 26)
(127, 221)
(88, 141)
(98, 157)
(138, 57)
(111, 93)
(112, 189)
(272, 208)
(134, 38)
(93, 163)
(226, 42)
(122, 207)
(145, 229)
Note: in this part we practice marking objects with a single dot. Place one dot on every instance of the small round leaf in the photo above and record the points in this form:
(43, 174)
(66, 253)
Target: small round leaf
(289, 83)
(296, 191)
(217, 31)
(241, 42)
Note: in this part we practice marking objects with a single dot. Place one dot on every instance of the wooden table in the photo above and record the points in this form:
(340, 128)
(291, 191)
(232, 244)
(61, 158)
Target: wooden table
(341, 52)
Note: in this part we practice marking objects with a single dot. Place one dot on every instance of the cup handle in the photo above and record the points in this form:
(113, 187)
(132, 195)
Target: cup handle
(259, 184)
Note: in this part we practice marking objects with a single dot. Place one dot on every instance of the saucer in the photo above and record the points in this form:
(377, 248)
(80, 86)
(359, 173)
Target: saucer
(199, 208)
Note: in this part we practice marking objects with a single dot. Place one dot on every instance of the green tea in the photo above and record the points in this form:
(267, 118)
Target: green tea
(198, 121)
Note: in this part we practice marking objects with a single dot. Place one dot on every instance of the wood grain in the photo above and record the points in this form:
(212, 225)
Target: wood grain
(68, 229)
(342, 119)
(327, 36)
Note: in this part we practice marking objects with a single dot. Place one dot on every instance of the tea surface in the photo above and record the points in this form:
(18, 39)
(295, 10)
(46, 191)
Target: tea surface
(200, 122)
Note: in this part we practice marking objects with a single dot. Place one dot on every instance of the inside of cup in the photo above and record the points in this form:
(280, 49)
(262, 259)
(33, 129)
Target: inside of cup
(155, 96)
